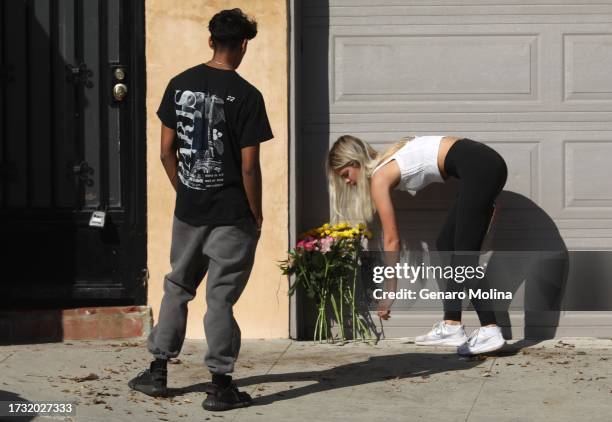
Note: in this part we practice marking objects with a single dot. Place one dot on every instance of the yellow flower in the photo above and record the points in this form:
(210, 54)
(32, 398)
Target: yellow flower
(368, 234)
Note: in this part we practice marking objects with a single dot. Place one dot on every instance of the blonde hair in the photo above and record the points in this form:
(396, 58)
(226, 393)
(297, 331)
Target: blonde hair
(353, 204)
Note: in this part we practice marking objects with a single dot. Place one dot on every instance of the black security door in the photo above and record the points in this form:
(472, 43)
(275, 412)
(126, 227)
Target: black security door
(71, 126)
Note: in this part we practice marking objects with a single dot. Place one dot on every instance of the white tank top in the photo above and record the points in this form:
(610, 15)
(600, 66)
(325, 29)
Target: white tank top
(418, 163)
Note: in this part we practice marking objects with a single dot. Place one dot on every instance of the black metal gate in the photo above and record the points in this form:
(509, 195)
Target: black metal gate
(72, 142)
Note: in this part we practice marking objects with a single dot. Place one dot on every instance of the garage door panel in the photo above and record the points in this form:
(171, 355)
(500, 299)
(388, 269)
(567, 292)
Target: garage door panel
(409, 126)
(576, 176)
(488, 68)
(423, 116)
(397, 23)
(587, 67)
(435, 68)
(546, 110)
(587, 175)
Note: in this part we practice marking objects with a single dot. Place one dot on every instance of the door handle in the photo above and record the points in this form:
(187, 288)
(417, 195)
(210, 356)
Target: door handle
(119, 91)
(82, 171)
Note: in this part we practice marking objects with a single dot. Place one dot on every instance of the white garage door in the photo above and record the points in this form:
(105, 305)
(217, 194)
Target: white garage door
(534, 81)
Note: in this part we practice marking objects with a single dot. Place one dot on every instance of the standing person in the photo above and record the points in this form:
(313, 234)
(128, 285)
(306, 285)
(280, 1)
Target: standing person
(212, 124)
(360, 183)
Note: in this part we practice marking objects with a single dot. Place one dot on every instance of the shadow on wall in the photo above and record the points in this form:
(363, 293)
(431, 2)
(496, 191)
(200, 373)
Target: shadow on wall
(546, 277)
(313, 131)
(312, 113)
(529, 258)
(524, 254)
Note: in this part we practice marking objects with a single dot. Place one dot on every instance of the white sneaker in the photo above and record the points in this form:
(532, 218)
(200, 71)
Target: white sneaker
(482, 340)
(443, 334)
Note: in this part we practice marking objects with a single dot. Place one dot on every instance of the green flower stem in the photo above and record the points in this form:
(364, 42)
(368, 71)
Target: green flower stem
(338, 317)
(322, 313)
(353, 312)
(341, 300)
(320, 317)
(324, 321)
(314, 339)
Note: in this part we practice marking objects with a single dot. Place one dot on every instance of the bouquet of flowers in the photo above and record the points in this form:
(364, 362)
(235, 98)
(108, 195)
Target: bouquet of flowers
(325, 262)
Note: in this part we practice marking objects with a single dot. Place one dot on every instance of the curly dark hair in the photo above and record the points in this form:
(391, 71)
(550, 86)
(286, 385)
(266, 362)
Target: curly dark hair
(229, 28)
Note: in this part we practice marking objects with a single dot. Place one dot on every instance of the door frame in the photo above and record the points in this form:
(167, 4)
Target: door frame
(296, 326)
(138, 137)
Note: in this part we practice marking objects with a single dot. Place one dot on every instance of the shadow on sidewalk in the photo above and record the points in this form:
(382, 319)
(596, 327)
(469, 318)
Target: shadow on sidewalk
(375, 369)
(8, 396)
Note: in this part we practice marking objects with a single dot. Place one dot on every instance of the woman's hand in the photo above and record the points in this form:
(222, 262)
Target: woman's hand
(384, 307)
(384, 314)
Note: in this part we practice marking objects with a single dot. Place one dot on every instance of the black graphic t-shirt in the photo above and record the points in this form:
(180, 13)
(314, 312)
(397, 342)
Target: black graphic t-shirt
(216, 113)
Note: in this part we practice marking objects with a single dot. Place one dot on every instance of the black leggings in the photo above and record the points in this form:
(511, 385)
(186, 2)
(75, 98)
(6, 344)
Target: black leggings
(482, 174)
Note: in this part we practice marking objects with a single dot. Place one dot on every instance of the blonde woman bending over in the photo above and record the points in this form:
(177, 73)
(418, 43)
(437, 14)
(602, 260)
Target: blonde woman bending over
(360, 183)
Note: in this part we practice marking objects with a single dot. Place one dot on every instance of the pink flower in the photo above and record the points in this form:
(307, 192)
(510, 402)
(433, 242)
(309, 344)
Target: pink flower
(310, 245)
(326, 244)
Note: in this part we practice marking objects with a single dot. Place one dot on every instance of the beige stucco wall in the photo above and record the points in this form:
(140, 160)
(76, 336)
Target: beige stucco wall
(177, 38)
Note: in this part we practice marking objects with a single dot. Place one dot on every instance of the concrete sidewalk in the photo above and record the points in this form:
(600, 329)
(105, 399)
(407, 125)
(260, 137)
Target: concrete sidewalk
(557, 380)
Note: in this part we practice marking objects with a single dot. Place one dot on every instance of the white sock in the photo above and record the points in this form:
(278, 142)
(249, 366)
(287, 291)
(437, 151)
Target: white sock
(452, 327)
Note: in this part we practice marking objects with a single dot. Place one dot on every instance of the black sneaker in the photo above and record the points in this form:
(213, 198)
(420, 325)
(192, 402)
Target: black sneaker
(153, 381)
(219, 399)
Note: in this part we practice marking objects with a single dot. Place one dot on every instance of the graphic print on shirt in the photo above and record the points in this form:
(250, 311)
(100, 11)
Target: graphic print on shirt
(200, 127)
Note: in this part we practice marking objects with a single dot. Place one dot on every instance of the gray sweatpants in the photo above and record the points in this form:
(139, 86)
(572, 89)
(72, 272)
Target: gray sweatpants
(227, 254)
